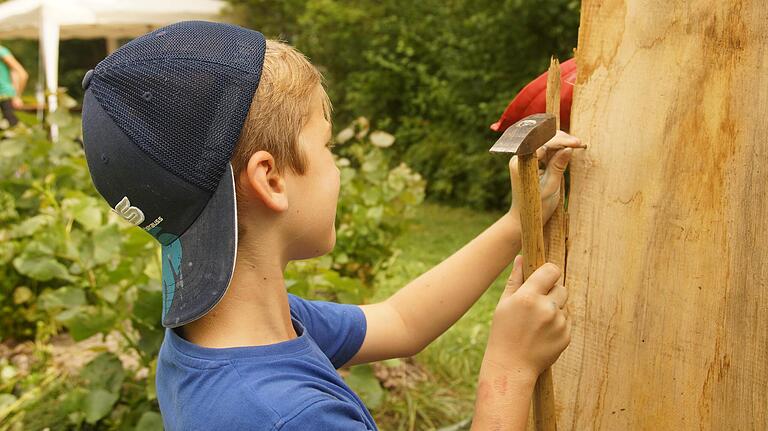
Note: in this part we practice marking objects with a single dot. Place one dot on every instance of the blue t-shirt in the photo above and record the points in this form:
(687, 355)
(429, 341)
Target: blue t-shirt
(292, 385)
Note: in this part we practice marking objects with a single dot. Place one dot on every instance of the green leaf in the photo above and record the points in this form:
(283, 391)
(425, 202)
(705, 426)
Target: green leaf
(150, 388)
(6, 399)
(39, 247)
(153, 268)
(86, 210)
(375, 213)
(60, 118)
(10, 148)
(7, 206)
(53, 240)
(83, 322)
(89, 217)
(30, 225)
(41, 268)
(298, 287)
(22, 294)
(150, 338)
(106, 243)
(371, 196)
(109, 293)
(72, 400)
(136, 241)
(7, 251)
(104, 372)
(97, 404)
(63, 297)
(362, 380)
(150, 421)
(148, 307)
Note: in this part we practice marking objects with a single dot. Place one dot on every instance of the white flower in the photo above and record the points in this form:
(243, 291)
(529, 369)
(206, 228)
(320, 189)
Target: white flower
(362, 124)
(345, 135)
(382, 139)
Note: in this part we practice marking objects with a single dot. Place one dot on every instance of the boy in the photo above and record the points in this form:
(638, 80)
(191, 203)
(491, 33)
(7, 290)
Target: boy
(162, 118)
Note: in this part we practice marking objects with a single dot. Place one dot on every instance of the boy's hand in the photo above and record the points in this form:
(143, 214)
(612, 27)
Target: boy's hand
(530, 328)
(16, 103)
(554, 157)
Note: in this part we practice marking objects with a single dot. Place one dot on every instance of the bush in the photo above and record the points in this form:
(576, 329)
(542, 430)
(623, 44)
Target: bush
(66, 261)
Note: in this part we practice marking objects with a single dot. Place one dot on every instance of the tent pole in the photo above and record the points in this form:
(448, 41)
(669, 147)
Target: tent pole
(49, 45)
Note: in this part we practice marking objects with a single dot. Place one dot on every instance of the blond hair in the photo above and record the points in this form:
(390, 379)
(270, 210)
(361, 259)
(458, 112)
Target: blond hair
(280, 109)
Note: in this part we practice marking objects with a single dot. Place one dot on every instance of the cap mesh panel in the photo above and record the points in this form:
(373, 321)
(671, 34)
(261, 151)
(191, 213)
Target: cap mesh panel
(182, 93)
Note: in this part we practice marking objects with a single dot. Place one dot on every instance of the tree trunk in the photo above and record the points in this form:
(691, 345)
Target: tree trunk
(668, 237)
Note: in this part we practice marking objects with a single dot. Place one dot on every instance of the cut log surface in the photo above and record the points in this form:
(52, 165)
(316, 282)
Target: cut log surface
(668, 236)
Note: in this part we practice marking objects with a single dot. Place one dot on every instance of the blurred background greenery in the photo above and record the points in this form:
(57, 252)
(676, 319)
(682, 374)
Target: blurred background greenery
(415, 86)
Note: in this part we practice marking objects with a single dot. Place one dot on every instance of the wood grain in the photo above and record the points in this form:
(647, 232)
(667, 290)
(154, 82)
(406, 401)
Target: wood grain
(668, 238)
(544, 415)
(555, 229)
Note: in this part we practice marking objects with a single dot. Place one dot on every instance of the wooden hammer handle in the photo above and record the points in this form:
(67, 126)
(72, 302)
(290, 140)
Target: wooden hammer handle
(529, 205)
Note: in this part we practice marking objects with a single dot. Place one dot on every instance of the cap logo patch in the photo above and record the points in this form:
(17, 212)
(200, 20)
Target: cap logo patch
(128, 212)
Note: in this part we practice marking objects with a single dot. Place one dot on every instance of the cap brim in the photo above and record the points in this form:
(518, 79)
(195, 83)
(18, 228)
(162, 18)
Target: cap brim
(198, 266)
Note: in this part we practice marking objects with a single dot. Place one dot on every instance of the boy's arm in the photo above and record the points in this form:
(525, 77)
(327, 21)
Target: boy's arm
(528, 333)
(503, 398)
(422, 310)
(409, 320)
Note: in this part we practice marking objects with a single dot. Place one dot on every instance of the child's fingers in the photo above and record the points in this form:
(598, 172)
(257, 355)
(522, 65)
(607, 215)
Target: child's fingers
(558, 142)
(557, 164)
(558, 295)
(543, 279)
(516, 279)
(563, 140)
(559, 161)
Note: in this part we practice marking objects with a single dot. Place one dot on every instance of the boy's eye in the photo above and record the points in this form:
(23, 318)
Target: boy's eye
(330, 144)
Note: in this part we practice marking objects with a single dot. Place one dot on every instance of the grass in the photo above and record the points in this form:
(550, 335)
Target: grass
(452, 362)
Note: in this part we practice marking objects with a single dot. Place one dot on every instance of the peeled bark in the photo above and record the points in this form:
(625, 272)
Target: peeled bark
(668, 234)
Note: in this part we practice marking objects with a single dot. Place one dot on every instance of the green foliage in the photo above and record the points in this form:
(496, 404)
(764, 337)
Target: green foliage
(434, 73)
(375, 204)
(61, 259)
(63, 265)
(452, 361)
(376, 201)
(365, 384)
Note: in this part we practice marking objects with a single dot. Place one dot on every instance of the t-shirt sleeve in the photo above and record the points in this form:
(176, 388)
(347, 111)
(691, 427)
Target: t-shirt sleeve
(326, 415)
(4, 52)
(338, 329)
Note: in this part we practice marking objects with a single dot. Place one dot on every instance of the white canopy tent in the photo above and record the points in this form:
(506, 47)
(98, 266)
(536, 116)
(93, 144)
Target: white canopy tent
(52, 20)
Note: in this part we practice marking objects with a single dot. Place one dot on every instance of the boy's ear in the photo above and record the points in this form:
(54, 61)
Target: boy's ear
(265, 182)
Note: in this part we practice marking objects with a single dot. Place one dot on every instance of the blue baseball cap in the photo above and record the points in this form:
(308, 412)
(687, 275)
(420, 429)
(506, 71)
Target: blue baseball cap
(161, 118)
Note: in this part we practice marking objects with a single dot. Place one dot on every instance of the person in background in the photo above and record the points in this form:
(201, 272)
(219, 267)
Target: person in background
(13, 79)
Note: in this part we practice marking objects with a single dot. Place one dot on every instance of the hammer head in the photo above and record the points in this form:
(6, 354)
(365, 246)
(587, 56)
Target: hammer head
(527, 135)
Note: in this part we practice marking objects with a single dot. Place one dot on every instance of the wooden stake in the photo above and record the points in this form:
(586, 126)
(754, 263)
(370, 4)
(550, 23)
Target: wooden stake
(551, 249)
(556, 230)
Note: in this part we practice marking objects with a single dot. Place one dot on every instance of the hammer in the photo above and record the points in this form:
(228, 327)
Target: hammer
(523, 139)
